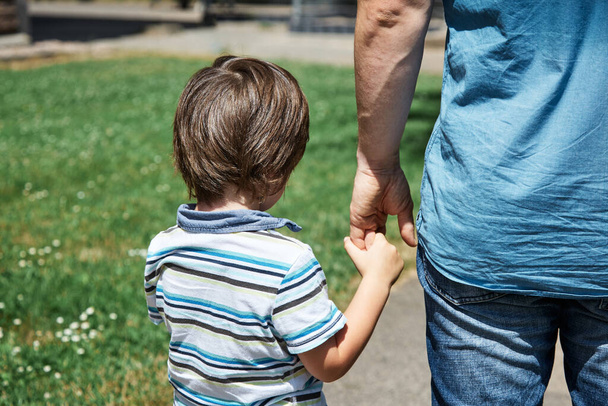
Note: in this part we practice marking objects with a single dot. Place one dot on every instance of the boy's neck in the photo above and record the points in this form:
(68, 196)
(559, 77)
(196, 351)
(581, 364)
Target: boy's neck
(222, 206)
(233, 199)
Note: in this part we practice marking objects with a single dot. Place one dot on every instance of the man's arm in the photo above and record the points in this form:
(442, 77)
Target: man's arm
(389, 40)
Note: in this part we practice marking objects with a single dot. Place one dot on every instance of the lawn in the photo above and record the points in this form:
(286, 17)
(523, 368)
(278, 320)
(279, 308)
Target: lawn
(86, 179)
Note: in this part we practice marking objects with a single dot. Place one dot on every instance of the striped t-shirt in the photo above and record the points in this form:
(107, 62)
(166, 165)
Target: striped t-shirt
(240, 301)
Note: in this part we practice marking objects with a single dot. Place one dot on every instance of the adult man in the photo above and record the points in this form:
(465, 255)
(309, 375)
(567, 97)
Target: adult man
(513, 224)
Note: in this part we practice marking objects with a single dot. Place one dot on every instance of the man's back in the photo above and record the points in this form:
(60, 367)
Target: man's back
(516, 178)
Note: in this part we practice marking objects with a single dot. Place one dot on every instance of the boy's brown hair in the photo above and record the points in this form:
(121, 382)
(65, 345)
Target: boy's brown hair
(241, 122)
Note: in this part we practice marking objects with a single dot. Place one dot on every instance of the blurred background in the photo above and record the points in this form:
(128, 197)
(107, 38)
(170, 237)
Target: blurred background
(85, 20)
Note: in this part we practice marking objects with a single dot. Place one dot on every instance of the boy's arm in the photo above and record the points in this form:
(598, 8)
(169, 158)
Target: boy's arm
(380, 265)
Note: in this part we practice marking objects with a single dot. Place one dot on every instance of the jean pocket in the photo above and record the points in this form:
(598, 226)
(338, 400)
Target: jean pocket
(455, 292)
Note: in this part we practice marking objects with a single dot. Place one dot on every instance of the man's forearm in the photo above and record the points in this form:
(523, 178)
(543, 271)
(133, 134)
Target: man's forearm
(389, 40)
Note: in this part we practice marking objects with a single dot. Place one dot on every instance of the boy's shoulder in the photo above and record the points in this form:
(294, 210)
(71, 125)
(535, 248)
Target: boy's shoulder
(271, 244)
(275, 237)
(165, 237)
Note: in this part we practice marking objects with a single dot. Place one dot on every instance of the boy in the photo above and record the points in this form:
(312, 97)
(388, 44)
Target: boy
(247, 308)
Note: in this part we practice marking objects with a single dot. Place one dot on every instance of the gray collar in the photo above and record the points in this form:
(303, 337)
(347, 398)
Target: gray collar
(230, 221)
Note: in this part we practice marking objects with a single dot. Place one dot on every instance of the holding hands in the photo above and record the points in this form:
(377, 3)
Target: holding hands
(379, 261)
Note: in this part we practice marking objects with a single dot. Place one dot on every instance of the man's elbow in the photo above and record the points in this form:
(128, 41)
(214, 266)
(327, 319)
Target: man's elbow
(389, 13)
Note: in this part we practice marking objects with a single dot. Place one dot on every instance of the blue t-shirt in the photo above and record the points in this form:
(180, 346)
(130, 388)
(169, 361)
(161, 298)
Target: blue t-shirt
(515, 188)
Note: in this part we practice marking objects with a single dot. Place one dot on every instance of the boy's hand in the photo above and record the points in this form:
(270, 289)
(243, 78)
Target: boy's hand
(379, 260)
(380, 265)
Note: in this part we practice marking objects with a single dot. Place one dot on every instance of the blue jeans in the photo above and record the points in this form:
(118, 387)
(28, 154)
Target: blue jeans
(492, 348)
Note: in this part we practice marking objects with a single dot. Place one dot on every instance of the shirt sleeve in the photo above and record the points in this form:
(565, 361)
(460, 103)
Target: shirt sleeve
(303, 314)
(151, 275)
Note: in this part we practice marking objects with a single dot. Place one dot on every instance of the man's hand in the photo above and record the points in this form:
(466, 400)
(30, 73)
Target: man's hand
(377, 194)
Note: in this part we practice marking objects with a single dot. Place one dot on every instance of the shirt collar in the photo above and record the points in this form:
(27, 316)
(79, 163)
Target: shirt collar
(229, 221)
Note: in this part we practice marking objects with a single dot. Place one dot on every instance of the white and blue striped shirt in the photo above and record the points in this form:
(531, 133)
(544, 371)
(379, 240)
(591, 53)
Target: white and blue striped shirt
(240, 301)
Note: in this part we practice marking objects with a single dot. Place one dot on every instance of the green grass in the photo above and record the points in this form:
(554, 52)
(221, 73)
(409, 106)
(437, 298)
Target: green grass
(86, 180)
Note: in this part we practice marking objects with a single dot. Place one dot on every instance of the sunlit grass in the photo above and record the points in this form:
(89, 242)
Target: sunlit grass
(86, 180)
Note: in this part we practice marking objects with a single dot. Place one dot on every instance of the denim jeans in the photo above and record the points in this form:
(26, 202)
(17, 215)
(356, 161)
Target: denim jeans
(492, 348)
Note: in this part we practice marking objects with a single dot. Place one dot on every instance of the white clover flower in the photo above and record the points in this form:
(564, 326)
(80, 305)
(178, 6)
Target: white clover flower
(56, 243)
(78, 393)
(67, 331)
(59, 320)
(5, 383)
(46, 368)
(16, 350)
(40, 251)
(92, 334)
(22, 254)
(29, 368)
(47, 250)
(17, 322)
(57, 375)
(58, 255)
(90, 310)
(113, 316)
(40, 262)
(65, 339)
(75, 338)
(20, 369)
(2, 333)
(100, 327)
(85, 326)
(74, 325)
(31, 251)
(76, 208)
(80, 351)
(80, 195)
(58, 334)
(36, 344)
(1, 305)
(83, 317)
(28, 186)
(20, 297)
(22, 263)
(47, 395)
